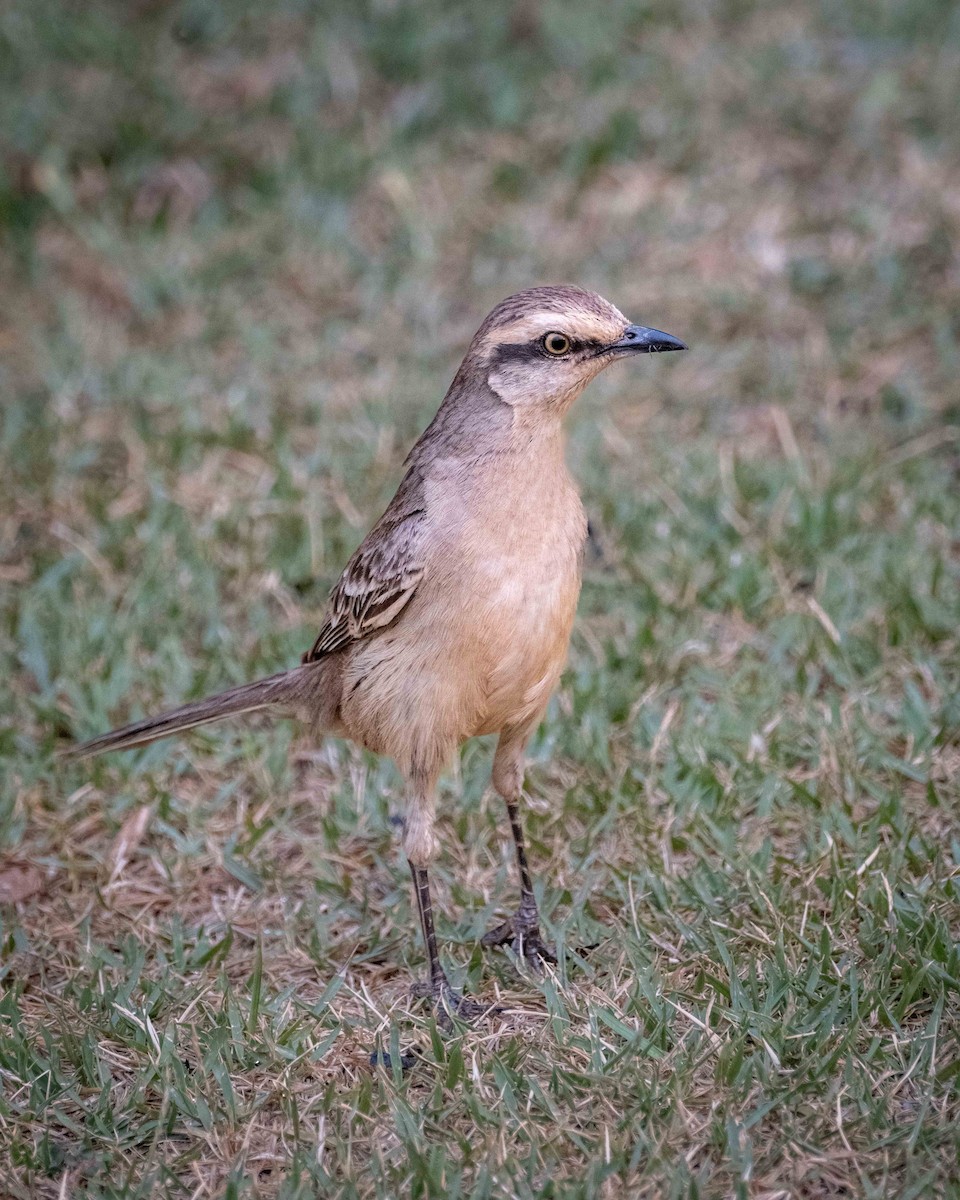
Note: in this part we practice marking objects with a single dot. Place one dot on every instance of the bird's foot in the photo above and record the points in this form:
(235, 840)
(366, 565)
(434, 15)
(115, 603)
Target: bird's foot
(407, 1060)
(521, 933)
(450, 1003)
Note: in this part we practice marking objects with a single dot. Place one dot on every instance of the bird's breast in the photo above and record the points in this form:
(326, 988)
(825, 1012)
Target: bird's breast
(518, 580)
(483, 641)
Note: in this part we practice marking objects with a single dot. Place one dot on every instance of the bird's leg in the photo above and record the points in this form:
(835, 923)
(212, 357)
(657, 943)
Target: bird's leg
(438, 988)
(420, 845)
(522, 930)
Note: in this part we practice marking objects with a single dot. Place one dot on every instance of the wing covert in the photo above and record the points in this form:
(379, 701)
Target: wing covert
(376, 585)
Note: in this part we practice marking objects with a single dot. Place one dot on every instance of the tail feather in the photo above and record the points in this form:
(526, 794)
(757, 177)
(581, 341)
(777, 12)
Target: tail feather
(281, 691)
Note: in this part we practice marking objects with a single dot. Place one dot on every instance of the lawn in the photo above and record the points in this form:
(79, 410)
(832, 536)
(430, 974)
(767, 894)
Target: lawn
(243, 249)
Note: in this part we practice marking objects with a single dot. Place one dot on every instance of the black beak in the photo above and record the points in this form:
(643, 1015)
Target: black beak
(637, 339)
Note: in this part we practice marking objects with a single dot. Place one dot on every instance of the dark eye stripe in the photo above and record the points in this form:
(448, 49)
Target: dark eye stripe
(530, 351)
(575, 346)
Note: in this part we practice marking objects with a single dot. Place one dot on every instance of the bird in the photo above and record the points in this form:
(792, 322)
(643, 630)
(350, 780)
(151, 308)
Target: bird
(453, 617)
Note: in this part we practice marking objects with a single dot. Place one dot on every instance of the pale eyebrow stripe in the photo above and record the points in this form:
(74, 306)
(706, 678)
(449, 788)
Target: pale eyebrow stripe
(578, 327)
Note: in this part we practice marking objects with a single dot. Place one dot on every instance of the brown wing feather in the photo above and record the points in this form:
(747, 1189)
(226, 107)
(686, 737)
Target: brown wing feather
(382, 576)
(378, 581)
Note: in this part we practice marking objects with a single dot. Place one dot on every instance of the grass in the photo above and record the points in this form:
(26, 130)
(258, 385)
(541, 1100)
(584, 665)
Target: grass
(242, 256)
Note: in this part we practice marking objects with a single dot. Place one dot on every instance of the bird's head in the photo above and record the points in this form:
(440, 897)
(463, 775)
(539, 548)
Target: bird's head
(541, 347)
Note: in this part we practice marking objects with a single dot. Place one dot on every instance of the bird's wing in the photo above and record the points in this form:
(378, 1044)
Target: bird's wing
(378, 581)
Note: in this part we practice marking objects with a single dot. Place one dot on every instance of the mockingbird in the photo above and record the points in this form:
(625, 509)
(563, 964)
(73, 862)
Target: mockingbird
(453, 617)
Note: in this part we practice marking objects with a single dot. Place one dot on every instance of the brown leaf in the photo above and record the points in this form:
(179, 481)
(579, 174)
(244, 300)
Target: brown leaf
(178, 188)
(19, 881)
(88, 272)
(128, 839)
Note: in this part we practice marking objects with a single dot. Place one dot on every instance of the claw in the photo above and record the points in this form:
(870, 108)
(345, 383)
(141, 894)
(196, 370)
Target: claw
(524, 939)
(408, 1060)
(450, 1003)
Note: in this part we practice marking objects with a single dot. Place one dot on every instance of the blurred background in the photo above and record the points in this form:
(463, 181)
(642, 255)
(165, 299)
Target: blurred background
(243, 247)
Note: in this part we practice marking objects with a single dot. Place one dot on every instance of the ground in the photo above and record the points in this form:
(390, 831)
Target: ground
(243, 250)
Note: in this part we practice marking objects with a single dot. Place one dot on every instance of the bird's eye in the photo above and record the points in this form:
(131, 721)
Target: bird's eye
(556, 343)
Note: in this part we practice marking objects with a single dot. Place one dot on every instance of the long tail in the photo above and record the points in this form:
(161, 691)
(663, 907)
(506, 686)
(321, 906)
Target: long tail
(291, 691)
